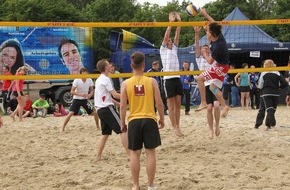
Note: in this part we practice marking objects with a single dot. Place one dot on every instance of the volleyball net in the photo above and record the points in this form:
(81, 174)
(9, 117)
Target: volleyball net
(57, 50)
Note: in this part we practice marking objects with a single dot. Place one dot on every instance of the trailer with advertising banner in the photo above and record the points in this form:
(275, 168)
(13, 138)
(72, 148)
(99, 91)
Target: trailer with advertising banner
(47, 51)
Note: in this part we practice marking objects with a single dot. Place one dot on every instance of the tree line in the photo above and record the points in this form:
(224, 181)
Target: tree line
(131, 11)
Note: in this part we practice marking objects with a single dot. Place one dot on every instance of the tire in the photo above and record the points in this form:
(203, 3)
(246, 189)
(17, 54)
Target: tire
(66, 98)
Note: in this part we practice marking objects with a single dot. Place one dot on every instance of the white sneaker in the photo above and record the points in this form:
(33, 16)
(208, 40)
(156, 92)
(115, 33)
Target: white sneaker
(152, 188)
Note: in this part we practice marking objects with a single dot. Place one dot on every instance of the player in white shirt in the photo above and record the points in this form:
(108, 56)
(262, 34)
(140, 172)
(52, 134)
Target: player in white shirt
(82, 90)
(173, 85)
(110, 119)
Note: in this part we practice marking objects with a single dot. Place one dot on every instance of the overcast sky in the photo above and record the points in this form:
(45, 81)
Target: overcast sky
(197, 3)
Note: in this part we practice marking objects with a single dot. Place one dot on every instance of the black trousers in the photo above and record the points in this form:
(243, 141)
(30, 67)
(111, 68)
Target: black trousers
(255, 98)
(186, 94)
(163, 97)
(267, 104)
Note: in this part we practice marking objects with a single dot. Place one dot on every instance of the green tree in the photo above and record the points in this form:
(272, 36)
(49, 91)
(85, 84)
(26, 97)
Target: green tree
(107, 11)
(148, 13)
(154, 13)
(280, 11)
(256, 10)
(80, 4)
(130, 10)
(39, 10)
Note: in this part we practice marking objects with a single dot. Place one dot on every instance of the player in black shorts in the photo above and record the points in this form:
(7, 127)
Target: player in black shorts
(213, 118)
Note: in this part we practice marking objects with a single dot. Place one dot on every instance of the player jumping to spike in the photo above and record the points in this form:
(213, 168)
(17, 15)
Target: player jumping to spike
(216, 73)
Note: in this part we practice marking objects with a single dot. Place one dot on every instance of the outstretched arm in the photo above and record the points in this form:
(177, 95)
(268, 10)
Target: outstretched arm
(166, 35)
(177, 32)
(196, 39)
(168, 30)
(206, 15)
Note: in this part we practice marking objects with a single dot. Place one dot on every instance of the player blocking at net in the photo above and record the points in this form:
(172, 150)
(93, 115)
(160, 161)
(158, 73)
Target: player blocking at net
(216, 73)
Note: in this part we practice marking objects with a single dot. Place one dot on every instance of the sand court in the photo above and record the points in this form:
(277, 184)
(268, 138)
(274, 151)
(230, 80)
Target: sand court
(36, 155)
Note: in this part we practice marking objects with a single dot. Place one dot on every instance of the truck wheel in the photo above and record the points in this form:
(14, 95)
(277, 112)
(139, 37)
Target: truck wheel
(66, 98)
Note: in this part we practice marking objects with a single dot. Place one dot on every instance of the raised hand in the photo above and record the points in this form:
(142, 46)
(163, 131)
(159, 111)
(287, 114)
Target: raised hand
(203, 11)
(197, 29)
(177, 16)
(172, 16)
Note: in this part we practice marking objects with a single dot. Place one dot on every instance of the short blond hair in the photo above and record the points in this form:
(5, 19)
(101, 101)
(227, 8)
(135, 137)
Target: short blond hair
(269, 63)
(101, 65)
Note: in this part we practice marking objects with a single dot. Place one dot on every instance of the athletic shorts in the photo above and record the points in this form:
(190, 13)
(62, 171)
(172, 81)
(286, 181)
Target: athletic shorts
(143, 131)
(173, 87)
(210, 97)
(216, 74)
(110, 120)
(245, 89)
(77, 103)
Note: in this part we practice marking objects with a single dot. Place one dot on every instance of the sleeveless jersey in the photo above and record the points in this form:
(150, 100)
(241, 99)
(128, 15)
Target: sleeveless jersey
(140, 97)
(244, 79)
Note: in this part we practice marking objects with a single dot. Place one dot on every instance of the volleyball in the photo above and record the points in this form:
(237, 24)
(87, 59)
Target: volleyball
(191, 10)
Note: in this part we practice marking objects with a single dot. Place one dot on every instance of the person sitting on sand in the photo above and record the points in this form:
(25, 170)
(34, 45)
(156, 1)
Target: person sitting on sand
(59, 110)
(28, 106)
(26, 109)
(12, 105)
(40, 105)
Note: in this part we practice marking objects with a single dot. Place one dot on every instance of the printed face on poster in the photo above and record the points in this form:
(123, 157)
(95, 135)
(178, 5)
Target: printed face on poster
(46, 50)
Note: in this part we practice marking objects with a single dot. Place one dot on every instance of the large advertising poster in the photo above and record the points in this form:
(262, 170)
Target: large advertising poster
(46, 50)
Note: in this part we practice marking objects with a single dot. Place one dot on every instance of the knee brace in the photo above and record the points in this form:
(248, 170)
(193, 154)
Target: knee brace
(214, 90)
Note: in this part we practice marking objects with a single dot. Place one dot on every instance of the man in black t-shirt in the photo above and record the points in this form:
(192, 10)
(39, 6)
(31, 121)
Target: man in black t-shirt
(216, 73)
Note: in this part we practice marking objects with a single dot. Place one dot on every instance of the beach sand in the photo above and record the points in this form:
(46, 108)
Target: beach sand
(36, 155)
